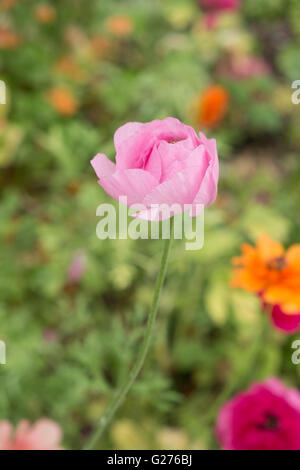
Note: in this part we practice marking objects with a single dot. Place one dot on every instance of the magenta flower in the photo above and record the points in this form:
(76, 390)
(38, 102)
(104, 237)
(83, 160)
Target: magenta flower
(214, 7)
(44, 434)
(265, 417)
(217, 5)
(160, 162)
(284, 322)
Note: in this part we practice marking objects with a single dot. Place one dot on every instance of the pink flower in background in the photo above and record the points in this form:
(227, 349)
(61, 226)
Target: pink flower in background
(77, 267)
(160, 162)
(245, 67)
(214, 7)
(44, 434)
(284, 322)
(265, 417)
(218, 5)
(50, 335)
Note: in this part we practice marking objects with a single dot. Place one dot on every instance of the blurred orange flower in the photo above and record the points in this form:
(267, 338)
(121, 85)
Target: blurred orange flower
(271, 271)
(9, 39)
(7, 4)
(69, 68)
(100, 45)
(62, 100)
(45, 13)
(75, 36)
(119, 25)
(212, 106)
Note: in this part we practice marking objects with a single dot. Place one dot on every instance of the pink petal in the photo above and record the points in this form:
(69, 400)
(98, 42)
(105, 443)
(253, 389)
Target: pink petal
(156, 214)
(5, 434)
(286, 323)
(225, 424)
(45, 434)
(102, 165)
(210, 144)
(209, 186)
(168, 129)
(210, 20)
(181, 189)
(124, 132)
(134, 152)
(174, 157)
(22, 429)
(134, 184)
(198, 157)
(154, 164)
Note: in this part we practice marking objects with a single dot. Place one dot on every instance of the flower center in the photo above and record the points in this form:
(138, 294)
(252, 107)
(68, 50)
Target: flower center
(271, 422)
(174, 141)
(278, 264)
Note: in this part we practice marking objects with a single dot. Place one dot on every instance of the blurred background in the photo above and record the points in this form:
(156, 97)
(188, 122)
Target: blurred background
(72, 307)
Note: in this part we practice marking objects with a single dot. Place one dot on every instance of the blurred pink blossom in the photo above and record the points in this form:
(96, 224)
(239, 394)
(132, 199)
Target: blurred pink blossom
(218, 5)
(77, 267)
(245, 67)
(50, 335)
(44, 434)
(265, 417)
(213, 8)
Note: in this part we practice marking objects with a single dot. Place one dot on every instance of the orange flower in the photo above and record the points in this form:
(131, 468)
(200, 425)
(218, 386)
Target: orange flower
(9, 39)
(45, 13)
(100, 45)
(63, 101)
(75, 37)
(270, 270)
(70, 69)
(212, 106)
(7, 4)
(119, 25)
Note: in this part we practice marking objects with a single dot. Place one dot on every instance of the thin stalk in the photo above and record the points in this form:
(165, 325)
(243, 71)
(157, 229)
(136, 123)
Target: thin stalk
(123, 391)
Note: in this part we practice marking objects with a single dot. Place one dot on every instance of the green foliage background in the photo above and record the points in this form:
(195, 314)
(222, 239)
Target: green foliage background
(68, 347)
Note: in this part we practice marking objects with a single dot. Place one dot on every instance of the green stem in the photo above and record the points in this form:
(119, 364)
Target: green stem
(121, 394)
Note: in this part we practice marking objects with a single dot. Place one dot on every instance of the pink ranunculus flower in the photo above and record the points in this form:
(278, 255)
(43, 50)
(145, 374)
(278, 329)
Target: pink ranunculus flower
(160, 162)
(265, 417)
(44, 434)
